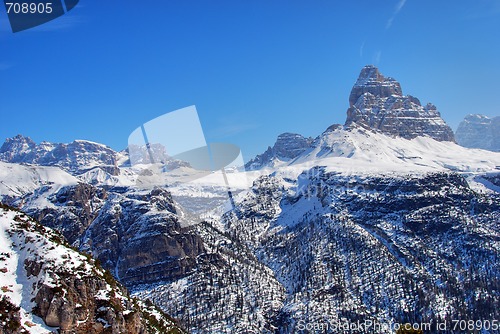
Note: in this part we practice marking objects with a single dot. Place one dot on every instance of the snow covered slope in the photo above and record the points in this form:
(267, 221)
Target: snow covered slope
(355, 149)
(17, 180)
(47, 287)
(76, 157)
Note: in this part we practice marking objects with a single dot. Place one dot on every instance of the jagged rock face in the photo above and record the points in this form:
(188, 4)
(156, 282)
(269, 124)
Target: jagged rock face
(408, 248)
(76, 157)
(376, 102)
(479, 131)
(371, 81)
(135, 234)
(138, 236)
(287, 147)
(66, 289)
(75, 208)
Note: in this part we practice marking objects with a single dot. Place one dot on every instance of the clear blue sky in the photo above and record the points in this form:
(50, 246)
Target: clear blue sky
(254, 69)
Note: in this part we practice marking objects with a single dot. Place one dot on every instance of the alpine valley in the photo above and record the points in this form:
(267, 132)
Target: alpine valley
(381, 221)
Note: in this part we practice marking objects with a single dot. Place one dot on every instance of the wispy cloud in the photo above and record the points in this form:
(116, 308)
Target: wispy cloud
(361, 49)
(376, 57)
(397, 9)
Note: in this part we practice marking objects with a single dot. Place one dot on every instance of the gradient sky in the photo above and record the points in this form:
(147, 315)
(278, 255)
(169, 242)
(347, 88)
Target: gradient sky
(254, 69)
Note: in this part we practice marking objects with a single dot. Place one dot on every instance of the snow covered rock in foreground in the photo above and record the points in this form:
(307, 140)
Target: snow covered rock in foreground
(47, 287)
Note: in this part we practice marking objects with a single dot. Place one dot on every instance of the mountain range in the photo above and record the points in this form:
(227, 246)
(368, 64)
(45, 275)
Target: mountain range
(383, 220)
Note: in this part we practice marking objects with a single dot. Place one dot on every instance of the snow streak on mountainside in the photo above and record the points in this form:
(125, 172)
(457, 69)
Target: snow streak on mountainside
(479, 131)
(48, 287)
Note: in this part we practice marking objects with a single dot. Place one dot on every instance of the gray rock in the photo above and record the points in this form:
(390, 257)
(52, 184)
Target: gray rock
(287, 147)
(78, 297)
(479, 131)
(376, 102)
(76, 157)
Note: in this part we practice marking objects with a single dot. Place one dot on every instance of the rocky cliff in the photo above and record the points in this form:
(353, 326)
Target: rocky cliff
(47, 287)
(377, 102)
(479, 131)
(76, 157)
(287, 147)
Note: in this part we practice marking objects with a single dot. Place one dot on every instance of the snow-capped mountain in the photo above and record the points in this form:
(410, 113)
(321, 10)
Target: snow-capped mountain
(76, 157)
(384, 219)
(287, 147)
(479, 131)
(47, 287)
(377, 102)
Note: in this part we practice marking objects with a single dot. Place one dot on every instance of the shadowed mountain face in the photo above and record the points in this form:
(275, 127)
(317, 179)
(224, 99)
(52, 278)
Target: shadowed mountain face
(377, 102)
(479, 131)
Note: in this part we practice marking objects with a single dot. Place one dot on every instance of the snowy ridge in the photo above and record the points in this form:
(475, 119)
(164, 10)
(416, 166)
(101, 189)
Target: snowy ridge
(76, 157)
(17, 180)
(41, 282)
(359, 150)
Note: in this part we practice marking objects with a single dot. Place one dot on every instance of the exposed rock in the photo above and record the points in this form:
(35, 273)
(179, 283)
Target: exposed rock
(479, 131)
(376, 102)
(68, 290)
(287, 147)
(76, 157)
(75, 207)
(371, 81)
(358, 247)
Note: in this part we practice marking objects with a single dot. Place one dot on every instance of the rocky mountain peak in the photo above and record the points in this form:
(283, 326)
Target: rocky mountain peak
(76, 157)
(16, 145)
(479, 131)
(287, 147)
(371, 81)
(376, 102)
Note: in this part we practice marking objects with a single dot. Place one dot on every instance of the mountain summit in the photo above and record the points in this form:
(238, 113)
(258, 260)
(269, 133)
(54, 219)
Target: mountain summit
(377, 102)
(479, 131)
(287, 147)
(76, 157)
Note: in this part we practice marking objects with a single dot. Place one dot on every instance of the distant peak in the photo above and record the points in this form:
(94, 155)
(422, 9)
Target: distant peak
(474, 117)
(17, 143)
(371, 81)
(370, 72)
(20, 138)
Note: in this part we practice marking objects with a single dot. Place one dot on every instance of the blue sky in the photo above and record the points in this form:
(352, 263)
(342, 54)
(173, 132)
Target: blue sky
(254, 69)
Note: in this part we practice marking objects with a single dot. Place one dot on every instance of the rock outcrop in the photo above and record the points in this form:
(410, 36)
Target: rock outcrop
(479, 131)
(287, 147)
(377, 102)
(76, 157)
(135, 234)
(69, 291)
